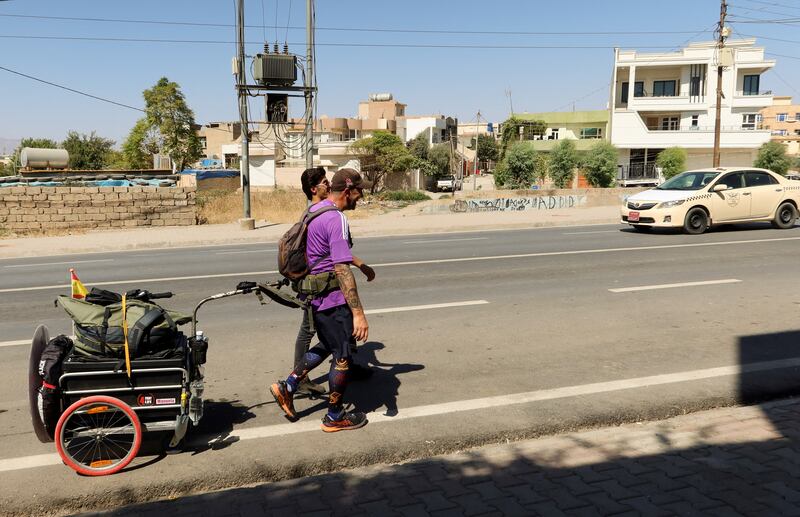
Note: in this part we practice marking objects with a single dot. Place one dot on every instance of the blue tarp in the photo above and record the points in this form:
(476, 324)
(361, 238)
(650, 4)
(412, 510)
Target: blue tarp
(100, 183)
(204, 174)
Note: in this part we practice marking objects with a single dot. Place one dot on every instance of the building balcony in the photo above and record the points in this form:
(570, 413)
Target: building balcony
(629, 131)
(665, 103)
(759, 101)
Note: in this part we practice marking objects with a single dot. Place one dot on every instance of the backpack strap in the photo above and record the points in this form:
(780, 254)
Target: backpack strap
(142, 327)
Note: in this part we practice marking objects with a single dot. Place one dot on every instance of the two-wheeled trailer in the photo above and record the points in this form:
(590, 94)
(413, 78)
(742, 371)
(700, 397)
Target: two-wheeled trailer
(106, 408)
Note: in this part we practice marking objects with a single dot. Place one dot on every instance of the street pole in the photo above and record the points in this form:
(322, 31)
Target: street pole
(247, 222)
(475, 172)
(723, 11)
(309, 133)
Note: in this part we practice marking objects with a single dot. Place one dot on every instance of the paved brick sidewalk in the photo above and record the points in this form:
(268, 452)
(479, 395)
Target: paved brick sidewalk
(729, 461)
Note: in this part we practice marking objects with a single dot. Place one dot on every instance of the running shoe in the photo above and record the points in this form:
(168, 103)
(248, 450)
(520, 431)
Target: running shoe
(284, 398)
(352, 420)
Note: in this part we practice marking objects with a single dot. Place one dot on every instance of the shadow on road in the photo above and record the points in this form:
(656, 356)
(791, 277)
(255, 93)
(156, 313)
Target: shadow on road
(219, 419)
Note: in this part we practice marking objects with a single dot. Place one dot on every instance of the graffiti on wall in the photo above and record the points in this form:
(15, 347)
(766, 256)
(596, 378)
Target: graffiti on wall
(517, 203)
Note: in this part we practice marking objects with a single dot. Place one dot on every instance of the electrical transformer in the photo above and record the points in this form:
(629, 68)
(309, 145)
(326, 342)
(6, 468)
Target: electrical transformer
(275, 69)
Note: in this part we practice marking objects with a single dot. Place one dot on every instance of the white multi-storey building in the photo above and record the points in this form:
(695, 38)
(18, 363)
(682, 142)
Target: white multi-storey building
(661, 100)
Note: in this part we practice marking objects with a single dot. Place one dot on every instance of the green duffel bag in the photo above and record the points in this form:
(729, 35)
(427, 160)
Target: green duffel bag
(152, 330)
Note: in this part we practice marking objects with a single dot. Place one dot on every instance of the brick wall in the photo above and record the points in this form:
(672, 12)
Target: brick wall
(47, 208)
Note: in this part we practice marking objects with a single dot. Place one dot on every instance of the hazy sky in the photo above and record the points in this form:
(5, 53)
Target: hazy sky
(442, 74)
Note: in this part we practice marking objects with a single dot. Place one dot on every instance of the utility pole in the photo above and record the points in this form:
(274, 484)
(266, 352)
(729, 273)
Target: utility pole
(723, 12)
(247, 222)
(309, 133)
(475, 172)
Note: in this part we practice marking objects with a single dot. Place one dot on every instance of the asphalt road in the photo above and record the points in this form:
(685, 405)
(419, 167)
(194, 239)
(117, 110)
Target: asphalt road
(552, 348)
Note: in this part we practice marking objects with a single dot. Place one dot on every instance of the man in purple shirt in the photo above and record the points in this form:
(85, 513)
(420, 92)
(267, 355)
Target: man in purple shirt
(338, 314)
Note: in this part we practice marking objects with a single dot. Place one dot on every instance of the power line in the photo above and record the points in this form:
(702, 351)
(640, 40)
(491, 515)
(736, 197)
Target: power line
(782, 55)
(774, 4)
(765, 10)
(357, 45)
(71, 89)
(351, 29)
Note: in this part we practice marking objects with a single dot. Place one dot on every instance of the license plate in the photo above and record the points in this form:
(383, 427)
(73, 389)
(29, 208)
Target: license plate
(633, 216)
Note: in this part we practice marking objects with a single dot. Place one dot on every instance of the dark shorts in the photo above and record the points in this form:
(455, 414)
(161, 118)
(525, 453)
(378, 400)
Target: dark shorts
(335, 330)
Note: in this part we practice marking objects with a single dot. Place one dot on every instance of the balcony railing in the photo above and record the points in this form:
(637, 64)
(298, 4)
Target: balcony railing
(637, 171)
(751, 127)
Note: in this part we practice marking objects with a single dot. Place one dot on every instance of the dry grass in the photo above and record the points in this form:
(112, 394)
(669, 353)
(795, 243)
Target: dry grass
(5, 233)
(225, 206)
(276, 206)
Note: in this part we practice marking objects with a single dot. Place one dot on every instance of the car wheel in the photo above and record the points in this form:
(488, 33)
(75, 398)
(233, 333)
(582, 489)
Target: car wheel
(696, 221)
(785, 216)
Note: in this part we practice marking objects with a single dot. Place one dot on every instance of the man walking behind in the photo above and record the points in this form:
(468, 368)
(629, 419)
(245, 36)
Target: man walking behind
(337, 311)
(316, 186)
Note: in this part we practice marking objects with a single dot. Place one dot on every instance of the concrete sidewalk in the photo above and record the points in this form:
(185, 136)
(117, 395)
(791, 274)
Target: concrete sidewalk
(728, 461)
(401, 222)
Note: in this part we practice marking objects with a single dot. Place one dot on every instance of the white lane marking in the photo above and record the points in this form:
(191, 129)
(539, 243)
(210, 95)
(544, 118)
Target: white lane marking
(242, 251)
(15, 343)
(421, 262)
(142, 280)
(431, 241)
(670, 286)
(251, 433)
(425, 307)
(61, 263)
(387, 310)
(586, 233)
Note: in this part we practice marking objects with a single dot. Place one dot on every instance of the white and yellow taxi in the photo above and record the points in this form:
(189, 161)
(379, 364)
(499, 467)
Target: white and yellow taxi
(696, 200)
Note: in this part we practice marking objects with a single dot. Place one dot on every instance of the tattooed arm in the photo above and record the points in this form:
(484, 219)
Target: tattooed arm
(347, 284)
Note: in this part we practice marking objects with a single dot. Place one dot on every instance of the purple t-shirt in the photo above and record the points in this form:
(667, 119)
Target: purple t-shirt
(328, 243)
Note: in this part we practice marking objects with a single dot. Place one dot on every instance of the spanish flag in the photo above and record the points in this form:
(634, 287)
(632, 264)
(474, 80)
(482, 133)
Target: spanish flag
(79, 290)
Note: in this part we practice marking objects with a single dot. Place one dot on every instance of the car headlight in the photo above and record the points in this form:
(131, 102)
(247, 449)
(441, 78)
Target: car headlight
(672, 204)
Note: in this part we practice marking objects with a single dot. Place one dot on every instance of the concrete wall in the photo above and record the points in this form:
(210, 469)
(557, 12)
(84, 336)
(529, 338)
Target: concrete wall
(49, 208)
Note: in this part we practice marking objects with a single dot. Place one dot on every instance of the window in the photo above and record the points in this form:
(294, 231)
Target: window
(591, 132)
(203, 142)
(751, 84)
(694, 87)
(797, 116)
(670, 123)
(638, 89)
(749, 121)
(780, 132)
(695, 121)
(735, 180)
(781, 117)
(663, 88)
(758, 179)
(624, 94)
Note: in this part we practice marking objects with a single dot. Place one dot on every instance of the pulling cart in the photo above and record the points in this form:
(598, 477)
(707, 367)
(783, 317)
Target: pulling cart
(104, 407)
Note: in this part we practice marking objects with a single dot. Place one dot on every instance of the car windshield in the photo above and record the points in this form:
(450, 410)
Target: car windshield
(689, 181)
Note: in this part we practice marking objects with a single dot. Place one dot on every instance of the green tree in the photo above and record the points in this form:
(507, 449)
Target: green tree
(419, 146)
(38, 143)
(439, 158)
(563, 160)
(87, 152)
(672, 161)
(487, 148)
(517, 170)
(541, 167)
(115, 160)
(600, 164)
(140, 146)
(772, 156)
(166, 110)
(381, 154)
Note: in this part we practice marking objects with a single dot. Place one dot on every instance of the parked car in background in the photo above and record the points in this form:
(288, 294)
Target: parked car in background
(449, 183)
(697, 200)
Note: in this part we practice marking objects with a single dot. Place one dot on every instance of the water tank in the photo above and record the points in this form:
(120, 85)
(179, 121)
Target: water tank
(380, 97)
(34, 158)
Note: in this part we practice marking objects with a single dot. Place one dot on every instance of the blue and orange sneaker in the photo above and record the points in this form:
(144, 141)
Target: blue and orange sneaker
(284, 398)
(352, 420)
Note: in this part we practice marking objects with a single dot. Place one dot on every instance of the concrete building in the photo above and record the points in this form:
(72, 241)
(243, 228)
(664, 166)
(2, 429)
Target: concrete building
(277, 155)
(661, 100)
(782, 119)
(585, 127)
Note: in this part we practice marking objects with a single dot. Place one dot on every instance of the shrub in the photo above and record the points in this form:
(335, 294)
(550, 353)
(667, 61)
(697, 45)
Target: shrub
(600, 164)
(672, 161)
(772, 156)
(563, 160)
(402, 195)
(520, 163)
